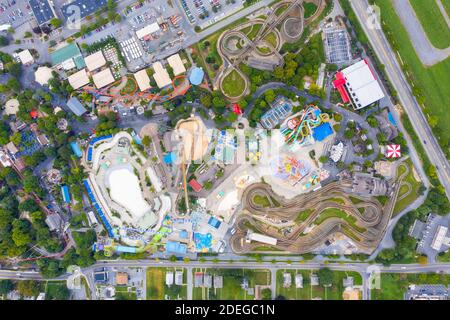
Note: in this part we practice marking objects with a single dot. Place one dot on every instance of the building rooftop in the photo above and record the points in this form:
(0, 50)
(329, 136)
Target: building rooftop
(25, 57)
(54, 221)
(176, 64)
(86, 7)
(195, 185)
(362, 86)
(95, 61)
(42, 11)
(69, 54)
(76, 107)
(196, 76)
(122, 278)
(103, 78)
(161, 75)
(367, 184)
(43, 75)
(142, 80)
(147, 30)
(78, 79)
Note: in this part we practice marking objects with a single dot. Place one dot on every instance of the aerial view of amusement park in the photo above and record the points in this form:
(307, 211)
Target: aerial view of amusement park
(223, 150)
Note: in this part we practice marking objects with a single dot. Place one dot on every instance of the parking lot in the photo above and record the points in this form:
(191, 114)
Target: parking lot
(207, 12)
(15, 12)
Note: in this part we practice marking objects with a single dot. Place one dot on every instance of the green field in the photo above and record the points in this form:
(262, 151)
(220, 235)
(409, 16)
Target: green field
(433, 22)
(261, 201)
(415, 185)
(309, 292)
(56, 290)
(310, 9)
(122, 293)
(232, 280)
(394, 285)
(444, 257)
(233, 85)
(303, 215)
(252, 31)
(446, 4)
(272, 39)
(130, 87)
(333, 212)
(433, 81)
(156, 285)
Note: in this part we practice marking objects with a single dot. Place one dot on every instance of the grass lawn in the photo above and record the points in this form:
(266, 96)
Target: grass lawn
(156, 285)
(446, 4)
(56, 290)
(122, 293)
(394, 285)
(433, 22)
(309, 292)
(355, 200)
(433, 81)
(303, 215)
(233, 85)
(402, 204)
(280, 10)
(333, 212)
(445, 257)
(272, 39)
(261, 201)
(232, 279)
(310, 9)
(130, 87)
(252, 31)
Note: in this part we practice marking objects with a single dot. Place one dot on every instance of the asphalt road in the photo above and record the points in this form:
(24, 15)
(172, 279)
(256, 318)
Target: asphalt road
(366, 270)
(428, 54)
(409, 103)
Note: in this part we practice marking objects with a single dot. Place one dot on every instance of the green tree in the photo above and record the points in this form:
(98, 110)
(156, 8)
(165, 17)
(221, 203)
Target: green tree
(29, 288)
(325, 276)
(266, 294)
(56, 23)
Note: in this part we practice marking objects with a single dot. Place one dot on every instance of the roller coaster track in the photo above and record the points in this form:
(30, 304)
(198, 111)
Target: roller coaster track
(366, 231)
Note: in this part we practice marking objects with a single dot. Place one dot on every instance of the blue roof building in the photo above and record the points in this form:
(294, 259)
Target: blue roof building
(65, 193)
(196, 77)
(76, 107)
(87, 7)
(125, 249)
(213, 222)
(322, 131)
(42, 10)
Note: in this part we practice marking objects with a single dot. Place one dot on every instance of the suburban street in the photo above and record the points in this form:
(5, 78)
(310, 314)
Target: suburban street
(409, 103)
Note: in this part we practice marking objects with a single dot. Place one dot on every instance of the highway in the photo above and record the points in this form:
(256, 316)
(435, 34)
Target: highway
(366, 270)
(412, 108)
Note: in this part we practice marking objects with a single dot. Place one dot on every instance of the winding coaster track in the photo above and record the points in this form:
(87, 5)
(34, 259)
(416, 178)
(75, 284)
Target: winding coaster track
(366, 231)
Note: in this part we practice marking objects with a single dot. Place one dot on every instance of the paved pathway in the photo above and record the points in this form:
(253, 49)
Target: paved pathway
(428, 54)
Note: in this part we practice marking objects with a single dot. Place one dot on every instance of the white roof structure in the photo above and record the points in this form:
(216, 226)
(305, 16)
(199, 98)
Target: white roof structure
(362, 86)
(262, 238)
(103, 78)
(176, 64)
(142, 79)
(151, 28)
(95, 61)
(12, 106)
(78, 79)
(439, 238)
(336, 152)
(161, 75)
(25, 57)
(42, 75)
(169, 278)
